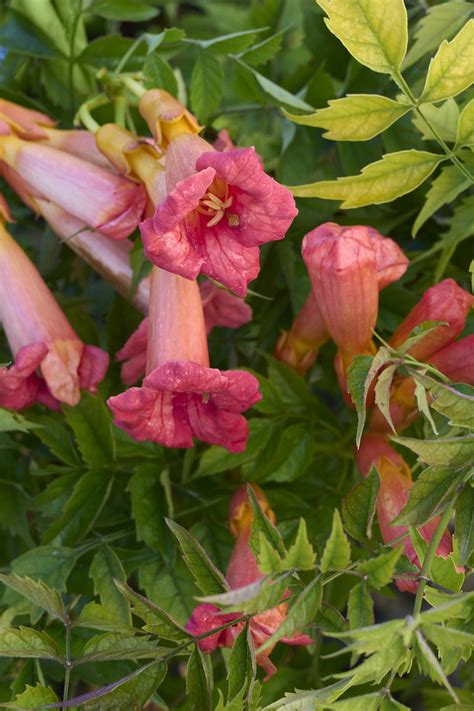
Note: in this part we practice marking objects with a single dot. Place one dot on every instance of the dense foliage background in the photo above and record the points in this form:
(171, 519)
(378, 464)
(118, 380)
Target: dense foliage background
(82, 504)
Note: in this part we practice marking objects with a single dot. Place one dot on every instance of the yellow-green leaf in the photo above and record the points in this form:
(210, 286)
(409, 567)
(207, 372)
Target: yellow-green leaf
(442, 119)
(337, 551)
(356, 117)
(465, 130)
(452, 68)
(444, 189)
(383, 181)
(374, 31)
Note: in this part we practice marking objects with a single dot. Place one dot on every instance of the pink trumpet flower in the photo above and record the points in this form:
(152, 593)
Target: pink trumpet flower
(445, 301)
(26, 123)
(219, 209)
(181, 396)
(299, 346)
(109, 258)
(243, 570)
(101, 199)
(220, 309)
(395, 485)
(40, 337)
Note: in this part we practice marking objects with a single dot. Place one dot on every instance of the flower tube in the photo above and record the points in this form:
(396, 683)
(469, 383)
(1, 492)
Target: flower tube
(243, 570)
(102, 200)
(299, 346)
(27, 123)
(395, 485)
(181, 396)
(220, 309)
(40, 337)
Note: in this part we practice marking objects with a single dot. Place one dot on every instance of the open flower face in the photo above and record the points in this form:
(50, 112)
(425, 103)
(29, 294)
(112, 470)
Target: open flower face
(243, 570)
(40, 338)
(220, 207)
(395, 485)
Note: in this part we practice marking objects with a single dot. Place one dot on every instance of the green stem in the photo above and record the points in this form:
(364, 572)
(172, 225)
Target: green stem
(415, 107)
(72, 56)
(133, 86)
(127, 55)
(120, 109)
(68, 665)
(430, 554)
(84, 113)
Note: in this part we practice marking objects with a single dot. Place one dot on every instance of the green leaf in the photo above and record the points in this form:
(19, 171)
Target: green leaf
(125, 10)
(380, 570)
(358, 507)
(456, 402)
(375, 33)
(231, 43)
(383, 389)
(396, 174)
(147, 506)
(447, 606)
(273, 91)
(330, 620)
(105, 567)
(444, 189)
(260, 523)
(417, 335)
(440, 121)
(291, 457)
(449, 451)
(242, 665)
(208, 578)
(367, 702)
(423, 406)
(299, 616)
(357, 376)
(82, 509)
(264, 50)
(21, 36)
(157, 621)
(301, 554)
(56, 436)
(33, 697)
(28, 643)
(428, 663)
(440, 22)
(101, 617)
(207, 85)
(159, 74)
(36, 592)
(14, 422)
(91, 422)
(428, 496)
(464, 524)
(356, 117)
(269, 562)
(132, 691)
(170, 35)
(107, 52)
(115, 646)
(311, 700)
(337, 551)
(360, 607)
(451, 70)
(461, 227)
(254, 598)
(465, 129)
(198, 683)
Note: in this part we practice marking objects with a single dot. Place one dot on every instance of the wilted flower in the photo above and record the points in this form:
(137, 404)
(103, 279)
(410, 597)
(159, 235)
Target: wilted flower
(40, 337)
(243, 570)
(99, 198)
(395, 485)
(219, 209)
(181, 396)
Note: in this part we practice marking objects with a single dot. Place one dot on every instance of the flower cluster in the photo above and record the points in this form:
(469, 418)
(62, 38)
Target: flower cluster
(201, 210)
(243, 570)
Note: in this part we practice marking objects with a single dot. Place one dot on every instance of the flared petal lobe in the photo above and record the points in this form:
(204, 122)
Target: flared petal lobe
(179, 400)
(220, 207)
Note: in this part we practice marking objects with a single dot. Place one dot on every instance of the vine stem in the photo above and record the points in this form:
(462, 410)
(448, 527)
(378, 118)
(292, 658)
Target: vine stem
(415, 107)
(68, 665)
(430, 554)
